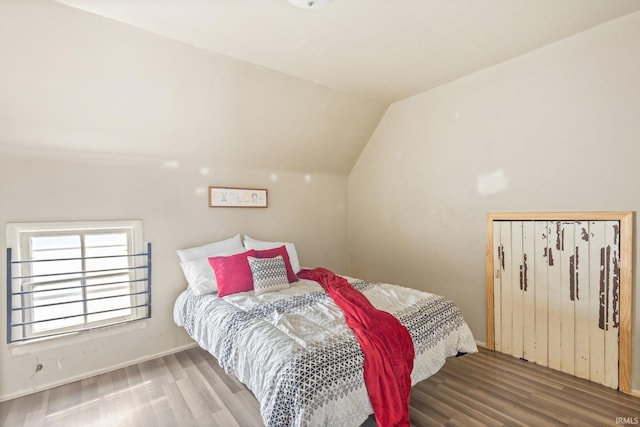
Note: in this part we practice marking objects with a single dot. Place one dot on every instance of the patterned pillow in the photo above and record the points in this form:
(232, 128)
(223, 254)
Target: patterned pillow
(274, 252)
(269, 274)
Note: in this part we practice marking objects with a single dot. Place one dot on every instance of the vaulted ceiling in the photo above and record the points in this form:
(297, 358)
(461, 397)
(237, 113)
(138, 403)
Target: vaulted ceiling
(247, 83)
(380, 49)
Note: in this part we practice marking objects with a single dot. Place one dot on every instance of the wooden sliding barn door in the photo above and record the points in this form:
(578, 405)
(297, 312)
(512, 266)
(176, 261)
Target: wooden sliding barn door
(559, 292)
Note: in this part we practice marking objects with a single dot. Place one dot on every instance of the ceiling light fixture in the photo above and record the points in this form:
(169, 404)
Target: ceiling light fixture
(309, 4)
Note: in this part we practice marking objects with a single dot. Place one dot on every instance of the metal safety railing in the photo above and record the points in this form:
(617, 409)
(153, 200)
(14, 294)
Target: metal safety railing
(28, 309)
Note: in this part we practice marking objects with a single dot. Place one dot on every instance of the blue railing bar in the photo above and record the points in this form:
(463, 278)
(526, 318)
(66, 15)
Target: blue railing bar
(37, 283)
(15, 325)
(76, 259)
(75, 331)
(74, 287)
(149, 275)
(9, 298)
(80, 300)
(83, 327)
(123, 269)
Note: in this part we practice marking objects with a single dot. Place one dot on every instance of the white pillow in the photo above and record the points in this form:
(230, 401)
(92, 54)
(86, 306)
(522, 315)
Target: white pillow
(195, 263)
(269, 274)
(210, 249)
(251, 243)
(200, 275)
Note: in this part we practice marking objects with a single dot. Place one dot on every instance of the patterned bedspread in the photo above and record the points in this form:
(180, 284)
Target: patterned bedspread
(294, 351)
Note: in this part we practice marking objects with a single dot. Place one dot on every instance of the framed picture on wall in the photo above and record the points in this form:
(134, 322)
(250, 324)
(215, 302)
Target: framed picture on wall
(230, 197)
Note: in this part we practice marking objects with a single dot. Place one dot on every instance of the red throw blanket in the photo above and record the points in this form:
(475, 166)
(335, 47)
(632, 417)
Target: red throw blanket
(385, 342)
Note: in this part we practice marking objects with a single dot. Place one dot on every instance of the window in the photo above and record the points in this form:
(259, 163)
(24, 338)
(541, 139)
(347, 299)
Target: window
(69, 277)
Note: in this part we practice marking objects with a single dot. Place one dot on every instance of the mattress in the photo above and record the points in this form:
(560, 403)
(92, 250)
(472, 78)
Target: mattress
(294, 351)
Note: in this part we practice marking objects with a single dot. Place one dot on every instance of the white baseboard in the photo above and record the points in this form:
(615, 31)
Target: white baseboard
(90, 374)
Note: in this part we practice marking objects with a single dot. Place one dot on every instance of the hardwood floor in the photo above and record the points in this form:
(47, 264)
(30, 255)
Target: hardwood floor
(190, 389)
(494, 389)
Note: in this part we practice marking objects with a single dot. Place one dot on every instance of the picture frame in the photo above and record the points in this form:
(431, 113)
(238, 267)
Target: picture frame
(233, 197)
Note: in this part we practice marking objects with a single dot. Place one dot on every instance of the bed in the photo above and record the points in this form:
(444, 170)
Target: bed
(292, 348)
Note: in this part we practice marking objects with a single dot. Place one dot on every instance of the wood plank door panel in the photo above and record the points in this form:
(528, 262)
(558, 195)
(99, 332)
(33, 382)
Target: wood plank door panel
(559, 290)
(612, 303)
(582, 297)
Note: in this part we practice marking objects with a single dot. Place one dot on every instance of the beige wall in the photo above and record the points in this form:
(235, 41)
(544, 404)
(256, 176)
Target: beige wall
(74, 81)
(554, 130)
(173, 206)
(101, 121)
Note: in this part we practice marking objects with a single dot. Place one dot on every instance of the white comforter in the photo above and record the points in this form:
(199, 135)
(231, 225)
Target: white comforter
(294, 351)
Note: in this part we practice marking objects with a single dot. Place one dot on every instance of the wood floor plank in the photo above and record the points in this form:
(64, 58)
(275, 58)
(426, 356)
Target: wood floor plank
(481, 413)
(62, 401)
(446, 406)
(204, 387)
(174, 367)
(198, 401)
(230, 382)
(35, 418)
(156, 371)
(162, 412)
(420, 415)
(183, 359)
(224, 418)
(189, 388)
(178, 405)
(143, 392)
(18, 411)
(480, 399)
(236, 406)
(252, 412)
(88, 390)
(7, 415)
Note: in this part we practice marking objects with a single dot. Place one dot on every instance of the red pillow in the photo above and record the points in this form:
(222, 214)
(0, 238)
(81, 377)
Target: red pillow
(272, 253)
(233, 273)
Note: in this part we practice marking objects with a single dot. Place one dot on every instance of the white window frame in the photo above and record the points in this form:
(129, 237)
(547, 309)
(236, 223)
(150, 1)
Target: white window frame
(19, 240)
